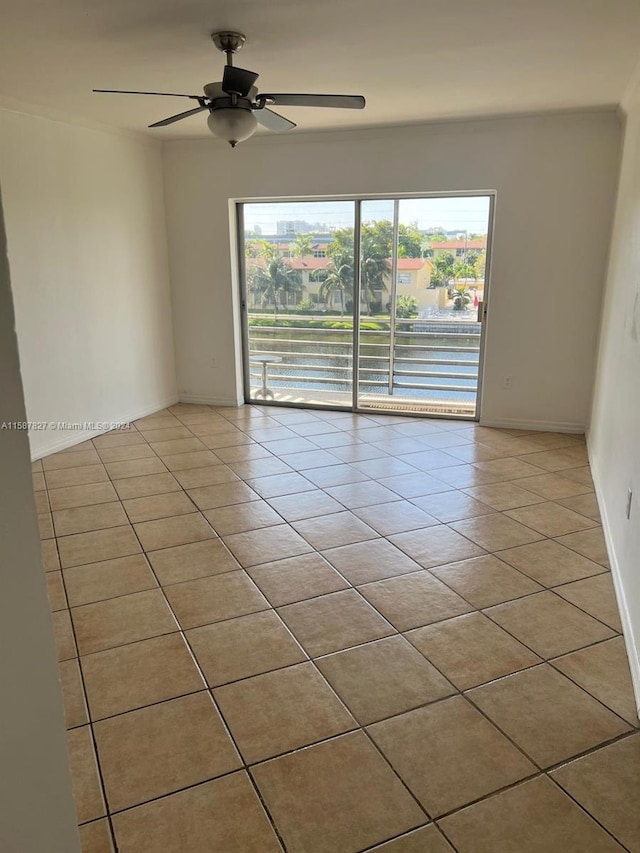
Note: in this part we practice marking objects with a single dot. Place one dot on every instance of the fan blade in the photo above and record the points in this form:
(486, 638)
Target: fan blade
(179, 117)
(164, 94)
(273, 121)
(349, 102)
(238, 81)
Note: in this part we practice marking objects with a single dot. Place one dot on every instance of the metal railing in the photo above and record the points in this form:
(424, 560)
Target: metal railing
(443, 360)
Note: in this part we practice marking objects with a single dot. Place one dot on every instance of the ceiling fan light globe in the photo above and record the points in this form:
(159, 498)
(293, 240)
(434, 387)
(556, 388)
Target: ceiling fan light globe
(232, 124)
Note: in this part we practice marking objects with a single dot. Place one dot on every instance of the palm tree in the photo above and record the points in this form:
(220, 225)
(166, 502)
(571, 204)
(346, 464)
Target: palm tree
(275, 280)
(302, 246)
(374, 265)
(461, 299)
(339, 278)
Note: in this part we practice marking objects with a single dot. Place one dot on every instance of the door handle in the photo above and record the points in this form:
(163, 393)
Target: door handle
(482, 311)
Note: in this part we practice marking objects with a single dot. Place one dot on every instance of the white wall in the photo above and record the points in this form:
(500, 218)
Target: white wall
(555, 177)
(85, 226)
(614, 434)
(37, 814)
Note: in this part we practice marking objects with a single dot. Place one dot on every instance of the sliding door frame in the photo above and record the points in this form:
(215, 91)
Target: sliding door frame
(394, 292)
(237, 223)
(355, 340)
(485, 303)
(244, 317)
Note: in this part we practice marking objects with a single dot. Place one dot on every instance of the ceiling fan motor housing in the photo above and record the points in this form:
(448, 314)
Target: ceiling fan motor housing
(214, 92)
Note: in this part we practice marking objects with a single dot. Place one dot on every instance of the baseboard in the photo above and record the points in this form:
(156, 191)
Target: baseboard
(633, 651)
(206, 400)
(538, 426)
(65, 440)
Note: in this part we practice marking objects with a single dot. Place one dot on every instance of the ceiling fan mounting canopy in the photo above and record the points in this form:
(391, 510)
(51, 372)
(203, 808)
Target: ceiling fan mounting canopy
(228, 41)
(235, 105)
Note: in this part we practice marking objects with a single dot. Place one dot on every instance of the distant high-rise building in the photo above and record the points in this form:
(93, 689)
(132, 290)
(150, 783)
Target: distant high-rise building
(291, 227)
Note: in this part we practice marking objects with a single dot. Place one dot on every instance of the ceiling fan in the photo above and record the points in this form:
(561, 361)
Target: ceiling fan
(235, 106)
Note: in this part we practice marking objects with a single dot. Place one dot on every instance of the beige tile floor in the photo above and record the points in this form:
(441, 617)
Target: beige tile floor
(328, 633)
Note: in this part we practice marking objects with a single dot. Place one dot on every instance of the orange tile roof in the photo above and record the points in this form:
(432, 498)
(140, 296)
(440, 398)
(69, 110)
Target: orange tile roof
(321, 263)
(411, 263)
(459, 244)
(309, 263)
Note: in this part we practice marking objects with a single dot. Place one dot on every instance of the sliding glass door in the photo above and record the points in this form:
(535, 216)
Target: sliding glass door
(369, 304)
(298, 299)
(425, 308)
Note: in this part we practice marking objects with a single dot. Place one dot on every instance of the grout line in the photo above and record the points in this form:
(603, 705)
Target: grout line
(90, 725)
(312, 660)
(407, 834)
(223, 721)
(633, 726)
(181, 631)
(99, 719)
(553, 780)
(520, 783)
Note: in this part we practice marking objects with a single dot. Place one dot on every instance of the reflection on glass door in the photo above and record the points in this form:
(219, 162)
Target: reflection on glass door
(298, 298)
(399, 283)
(374, 317)
(427, 258)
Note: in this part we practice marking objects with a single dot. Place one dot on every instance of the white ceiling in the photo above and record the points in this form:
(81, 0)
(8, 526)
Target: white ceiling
(414, 60)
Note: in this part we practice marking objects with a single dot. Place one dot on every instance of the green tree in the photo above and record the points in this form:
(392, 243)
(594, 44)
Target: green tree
(381, 233)
(274, 280)
(339, 278)
(260, 249)
(442, 269)
(409, 241)
(302, 246)
(479, 264)
(462, 270)
(409, 238)
(305, 305)
(342, 242)
(254, 248)
(406, 306)
(461, 299)
(374, 265)
(476, 261)
(472, 257)
(374, 258)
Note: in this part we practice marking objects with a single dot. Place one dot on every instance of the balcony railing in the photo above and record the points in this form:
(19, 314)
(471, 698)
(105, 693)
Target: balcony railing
(433, 361)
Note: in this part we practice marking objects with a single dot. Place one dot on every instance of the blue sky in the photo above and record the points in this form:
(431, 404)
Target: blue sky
(460, 213)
